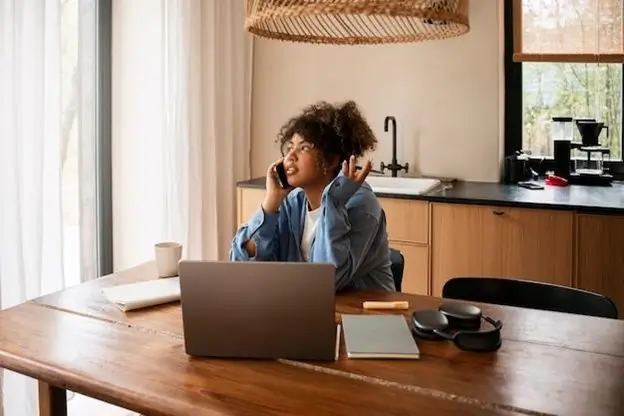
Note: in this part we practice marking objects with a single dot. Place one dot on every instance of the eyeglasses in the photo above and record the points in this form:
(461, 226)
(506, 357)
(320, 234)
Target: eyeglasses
(301, 147)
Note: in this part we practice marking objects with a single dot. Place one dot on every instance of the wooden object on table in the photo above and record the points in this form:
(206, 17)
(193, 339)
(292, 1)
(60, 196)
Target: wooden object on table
(541, 357)
(375, 304)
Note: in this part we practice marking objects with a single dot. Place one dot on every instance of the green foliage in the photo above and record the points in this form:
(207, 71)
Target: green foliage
(577, 90)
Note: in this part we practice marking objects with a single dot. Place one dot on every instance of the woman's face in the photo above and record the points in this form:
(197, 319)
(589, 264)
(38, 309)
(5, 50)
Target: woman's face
(301, 161)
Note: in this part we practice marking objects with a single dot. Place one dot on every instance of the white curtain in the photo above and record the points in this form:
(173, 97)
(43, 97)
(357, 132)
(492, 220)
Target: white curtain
(181, 117)
(40, 86)
(207, 66)
(227, 67)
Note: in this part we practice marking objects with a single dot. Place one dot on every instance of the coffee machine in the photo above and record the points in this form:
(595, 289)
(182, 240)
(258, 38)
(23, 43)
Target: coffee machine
(587, 167)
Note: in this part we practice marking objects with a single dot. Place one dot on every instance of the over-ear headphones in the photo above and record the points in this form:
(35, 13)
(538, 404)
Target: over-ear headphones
(459, 323)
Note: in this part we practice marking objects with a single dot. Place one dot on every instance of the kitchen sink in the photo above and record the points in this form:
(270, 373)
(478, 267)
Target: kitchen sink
(402, 186)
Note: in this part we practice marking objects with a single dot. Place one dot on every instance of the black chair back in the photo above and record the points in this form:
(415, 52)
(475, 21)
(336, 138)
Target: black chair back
(397, 267)
(530, 294)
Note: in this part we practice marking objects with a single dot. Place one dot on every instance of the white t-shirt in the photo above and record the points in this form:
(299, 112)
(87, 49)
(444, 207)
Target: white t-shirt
(309, 230)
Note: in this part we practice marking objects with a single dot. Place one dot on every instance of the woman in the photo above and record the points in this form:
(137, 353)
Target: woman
(328, 213)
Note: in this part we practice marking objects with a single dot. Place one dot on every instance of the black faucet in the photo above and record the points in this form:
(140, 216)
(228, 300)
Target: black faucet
(394, 165)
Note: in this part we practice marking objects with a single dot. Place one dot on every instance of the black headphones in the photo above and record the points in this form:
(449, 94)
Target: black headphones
(459, 323)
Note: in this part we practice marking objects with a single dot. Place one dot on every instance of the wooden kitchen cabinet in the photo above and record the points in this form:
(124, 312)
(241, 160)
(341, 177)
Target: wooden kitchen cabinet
(521, 243)
(406, 220)
(407, 223)
(416, 270)
(600, 256)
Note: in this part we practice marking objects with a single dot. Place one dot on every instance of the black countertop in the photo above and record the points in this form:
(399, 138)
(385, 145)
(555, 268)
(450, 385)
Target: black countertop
(575, 197)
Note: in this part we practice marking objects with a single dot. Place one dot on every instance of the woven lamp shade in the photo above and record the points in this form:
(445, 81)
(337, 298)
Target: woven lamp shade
(356, 22)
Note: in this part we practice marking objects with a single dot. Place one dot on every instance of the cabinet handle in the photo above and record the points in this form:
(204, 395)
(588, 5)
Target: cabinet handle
(498, 212)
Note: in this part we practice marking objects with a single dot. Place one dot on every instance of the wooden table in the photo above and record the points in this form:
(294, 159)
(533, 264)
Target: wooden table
(550, 363)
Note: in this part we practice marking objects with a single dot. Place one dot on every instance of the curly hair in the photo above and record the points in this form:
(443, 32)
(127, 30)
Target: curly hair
(334, 130)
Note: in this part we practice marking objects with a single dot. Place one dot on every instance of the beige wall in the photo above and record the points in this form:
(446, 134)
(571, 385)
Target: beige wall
(446, 95)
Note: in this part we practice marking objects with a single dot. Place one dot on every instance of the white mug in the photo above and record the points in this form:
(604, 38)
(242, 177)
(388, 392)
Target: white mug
(168, 254)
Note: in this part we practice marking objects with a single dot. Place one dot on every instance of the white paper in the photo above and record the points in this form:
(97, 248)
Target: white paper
(144, 294)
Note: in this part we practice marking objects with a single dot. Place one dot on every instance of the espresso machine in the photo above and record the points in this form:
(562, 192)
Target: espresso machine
(581, 162)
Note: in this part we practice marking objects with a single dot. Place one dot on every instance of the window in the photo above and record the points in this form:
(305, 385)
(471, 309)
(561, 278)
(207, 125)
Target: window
(563, 58)
(85, 134)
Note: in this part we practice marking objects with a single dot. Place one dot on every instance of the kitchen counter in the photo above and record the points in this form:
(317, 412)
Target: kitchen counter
(578, 198)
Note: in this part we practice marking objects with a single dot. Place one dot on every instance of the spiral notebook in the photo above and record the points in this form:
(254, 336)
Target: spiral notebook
(139, 295)
(378, 336)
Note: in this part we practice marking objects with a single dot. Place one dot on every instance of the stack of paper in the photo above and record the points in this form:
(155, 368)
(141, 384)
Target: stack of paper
(144, 294)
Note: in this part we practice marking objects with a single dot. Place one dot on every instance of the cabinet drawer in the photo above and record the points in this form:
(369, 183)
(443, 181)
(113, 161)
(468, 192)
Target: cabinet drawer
(416, 270)
(407, 220)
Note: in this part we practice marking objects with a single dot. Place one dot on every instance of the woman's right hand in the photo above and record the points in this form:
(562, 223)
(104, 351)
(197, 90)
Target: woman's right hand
(274, 192)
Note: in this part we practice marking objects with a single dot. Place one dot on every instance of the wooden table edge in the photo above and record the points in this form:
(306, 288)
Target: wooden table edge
(53, 391)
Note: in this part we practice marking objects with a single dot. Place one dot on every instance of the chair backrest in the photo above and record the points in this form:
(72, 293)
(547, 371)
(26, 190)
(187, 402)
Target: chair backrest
(530, 294)
(397, 267)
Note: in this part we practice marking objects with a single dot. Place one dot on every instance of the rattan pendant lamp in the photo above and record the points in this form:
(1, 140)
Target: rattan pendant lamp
(356, 22)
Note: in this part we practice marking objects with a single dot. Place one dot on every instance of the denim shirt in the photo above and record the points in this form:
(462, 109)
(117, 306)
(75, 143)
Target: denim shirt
(351, 234)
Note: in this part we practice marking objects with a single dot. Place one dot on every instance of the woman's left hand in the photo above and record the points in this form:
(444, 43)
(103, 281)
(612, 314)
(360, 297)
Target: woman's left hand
(350, 171)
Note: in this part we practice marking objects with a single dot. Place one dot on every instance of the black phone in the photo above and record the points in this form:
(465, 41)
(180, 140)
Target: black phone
(281, 175)
(530, 185)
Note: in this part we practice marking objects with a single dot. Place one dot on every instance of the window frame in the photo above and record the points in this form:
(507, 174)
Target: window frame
(513, 104)
(104, 138)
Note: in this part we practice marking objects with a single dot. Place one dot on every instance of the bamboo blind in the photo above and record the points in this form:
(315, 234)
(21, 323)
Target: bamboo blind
(581, 31)
(357, 21)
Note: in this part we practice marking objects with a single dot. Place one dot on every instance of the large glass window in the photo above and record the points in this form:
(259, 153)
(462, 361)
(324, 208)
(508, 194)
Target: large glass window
(569, 89)
(566, 60)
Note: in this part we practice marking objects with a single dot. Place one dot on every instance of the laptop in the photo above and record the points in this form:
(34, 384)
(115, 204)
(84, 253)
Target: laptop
(262, 310)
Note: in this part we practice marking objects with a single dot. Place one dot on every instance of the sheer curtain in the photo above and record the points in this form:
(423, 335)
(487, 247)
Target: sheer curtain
(180, 130)
(41, 87)
(226, 69)
(206, 120)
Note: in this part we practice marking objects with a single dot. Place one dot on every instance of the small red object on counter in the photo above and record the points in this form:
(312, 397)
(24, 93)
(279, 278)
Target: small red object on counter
(553, 180)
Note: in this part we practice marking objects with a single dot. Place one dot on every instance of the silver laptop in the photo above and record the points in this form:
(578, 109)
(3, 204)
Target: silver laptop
(258, 309)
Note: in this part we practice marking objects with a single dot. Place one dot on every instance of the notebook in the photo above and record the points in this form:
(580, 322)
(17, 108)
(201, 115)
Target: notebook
(144, 294)
(378, 336)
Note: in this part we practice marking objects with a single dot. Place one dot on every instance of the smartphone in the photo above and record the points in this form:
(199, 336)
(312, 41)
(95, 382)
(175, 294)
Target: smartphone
(281, 175)
(530, 185)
